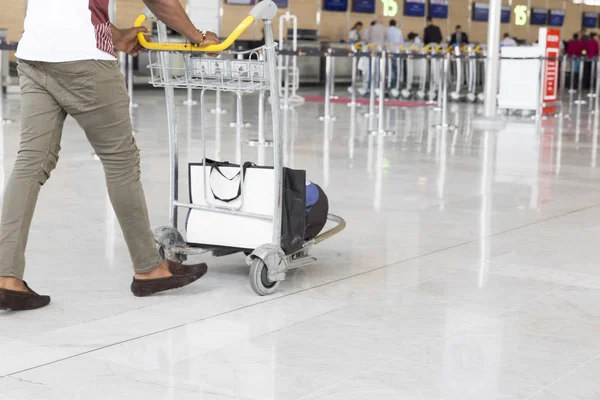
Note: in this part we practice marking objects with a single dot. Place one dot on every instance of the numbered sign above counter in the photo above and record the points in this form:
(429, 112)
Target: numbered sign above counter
(438, 9)
(414, 8)
(335, 5)
(505, 14)
(539, 16)
(556, 18)
(481, 12)
(363, 6)
(589, 20)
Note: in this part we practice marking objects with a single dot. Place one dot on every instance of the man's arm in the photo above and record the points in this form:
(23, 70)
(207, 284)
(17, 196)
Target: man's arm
(172, 13)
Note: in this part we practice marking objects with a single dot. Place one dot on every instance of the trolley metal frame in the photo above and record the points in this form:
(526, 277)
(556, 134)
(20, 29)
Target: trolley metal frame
(178, 66)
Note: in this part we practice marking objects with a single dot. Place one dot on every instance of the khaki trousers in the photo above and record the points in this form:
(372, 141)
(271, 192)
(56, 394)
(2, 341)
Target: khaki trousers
(94, 94)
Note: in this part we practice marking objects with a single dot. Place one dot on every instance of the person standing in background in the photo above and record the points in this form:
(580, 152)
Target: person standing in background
(394, 40)
(459, 38)
(575, 50)
(591, 46)
(508, 41)
(354, 36)
(432, 33)
(365, 37)
(591, 52)
(415, 39)
(394, 36)
(375, 36)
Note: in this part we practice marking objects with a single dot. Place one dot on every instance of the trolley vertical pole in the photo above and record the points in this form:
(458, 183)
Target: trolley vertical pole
(261, 117)
(190, 98)
(597, 97)
(3, 120)
(572, 80)
(563, 76)
(165, 59)
(381, 118)
(261, 141)
(332, 80)
(593, 65)
(372, 68)
(286, 84)
(353, 84)
(444, 83)
(490, 104)
(579, 100)
(296, 74)
(329, 75)
(271, 71)
(218, 109)
(233, 124)
(440, 92)
(239, 127)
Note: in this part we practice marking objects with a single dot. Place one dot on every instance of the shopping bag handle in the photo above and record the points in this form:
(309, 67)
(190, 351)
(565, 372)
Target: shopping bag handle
(215, 166)
(265, 10)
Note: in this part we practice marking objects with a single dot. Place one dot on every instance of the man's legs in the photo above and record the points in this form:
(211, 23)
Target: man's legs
(42, 121)
(94, 94)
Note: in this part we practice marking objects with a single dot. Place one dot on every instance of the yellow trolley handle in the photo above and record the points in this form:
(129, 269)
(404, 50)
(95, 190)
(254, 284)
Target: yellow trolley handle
(265, 10)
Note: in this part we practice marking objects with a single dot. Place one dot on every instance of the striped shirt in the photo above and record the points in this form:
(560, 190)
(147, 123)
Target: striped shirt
(66, 30)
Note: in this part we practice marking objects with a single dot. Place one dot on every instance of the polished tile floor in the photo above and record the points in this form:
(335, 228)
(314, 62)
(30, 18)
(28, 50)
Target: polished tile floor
(469, 269)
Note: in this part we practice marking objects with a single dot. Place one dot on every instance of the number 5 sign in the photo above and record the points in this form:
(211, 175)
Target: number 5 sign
(390, 8)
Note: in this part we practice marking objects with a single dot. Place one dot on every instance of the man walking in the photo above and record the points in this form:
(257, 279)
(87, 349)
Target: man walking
(70, 68)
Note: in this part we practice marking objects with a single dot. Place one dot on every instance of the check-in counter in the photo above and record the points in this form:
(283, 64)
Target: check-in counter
(309, 67)
(343, 65)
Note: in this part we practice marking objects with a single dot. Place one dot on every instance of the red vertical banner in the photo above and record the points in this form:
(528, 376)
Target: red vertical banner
(550, 40)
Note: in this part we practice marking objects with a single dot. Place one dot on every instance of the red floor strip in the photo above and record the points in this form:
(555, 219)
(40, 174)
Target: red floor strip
(389, 103)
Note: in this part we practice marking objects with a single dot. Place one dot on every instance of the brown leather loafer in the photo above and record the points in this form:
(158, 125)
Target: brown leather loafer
(20, 301)
(183, 275)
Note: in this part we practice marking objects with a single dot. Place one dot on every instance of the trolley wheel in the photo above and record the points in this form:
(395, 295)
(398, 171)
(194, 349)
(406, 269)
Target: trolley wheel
(180, 258)
(455, 96)
(471, 97)
(259, 278)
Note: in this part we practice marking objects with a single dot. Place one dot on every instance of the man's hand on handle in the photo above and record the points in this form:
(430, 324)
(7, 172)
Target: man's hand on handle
(125, 40)
(172, 13)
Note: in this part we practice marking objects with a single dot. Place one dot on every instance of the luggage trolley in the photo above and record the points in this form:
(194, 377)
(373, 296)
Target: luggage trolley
(182, 66)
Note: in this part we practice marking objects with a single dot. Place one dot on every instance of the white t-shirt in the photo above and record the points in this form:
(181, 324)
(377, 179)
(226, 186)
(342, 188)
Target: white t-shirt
(508, 41)
(66, 30)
